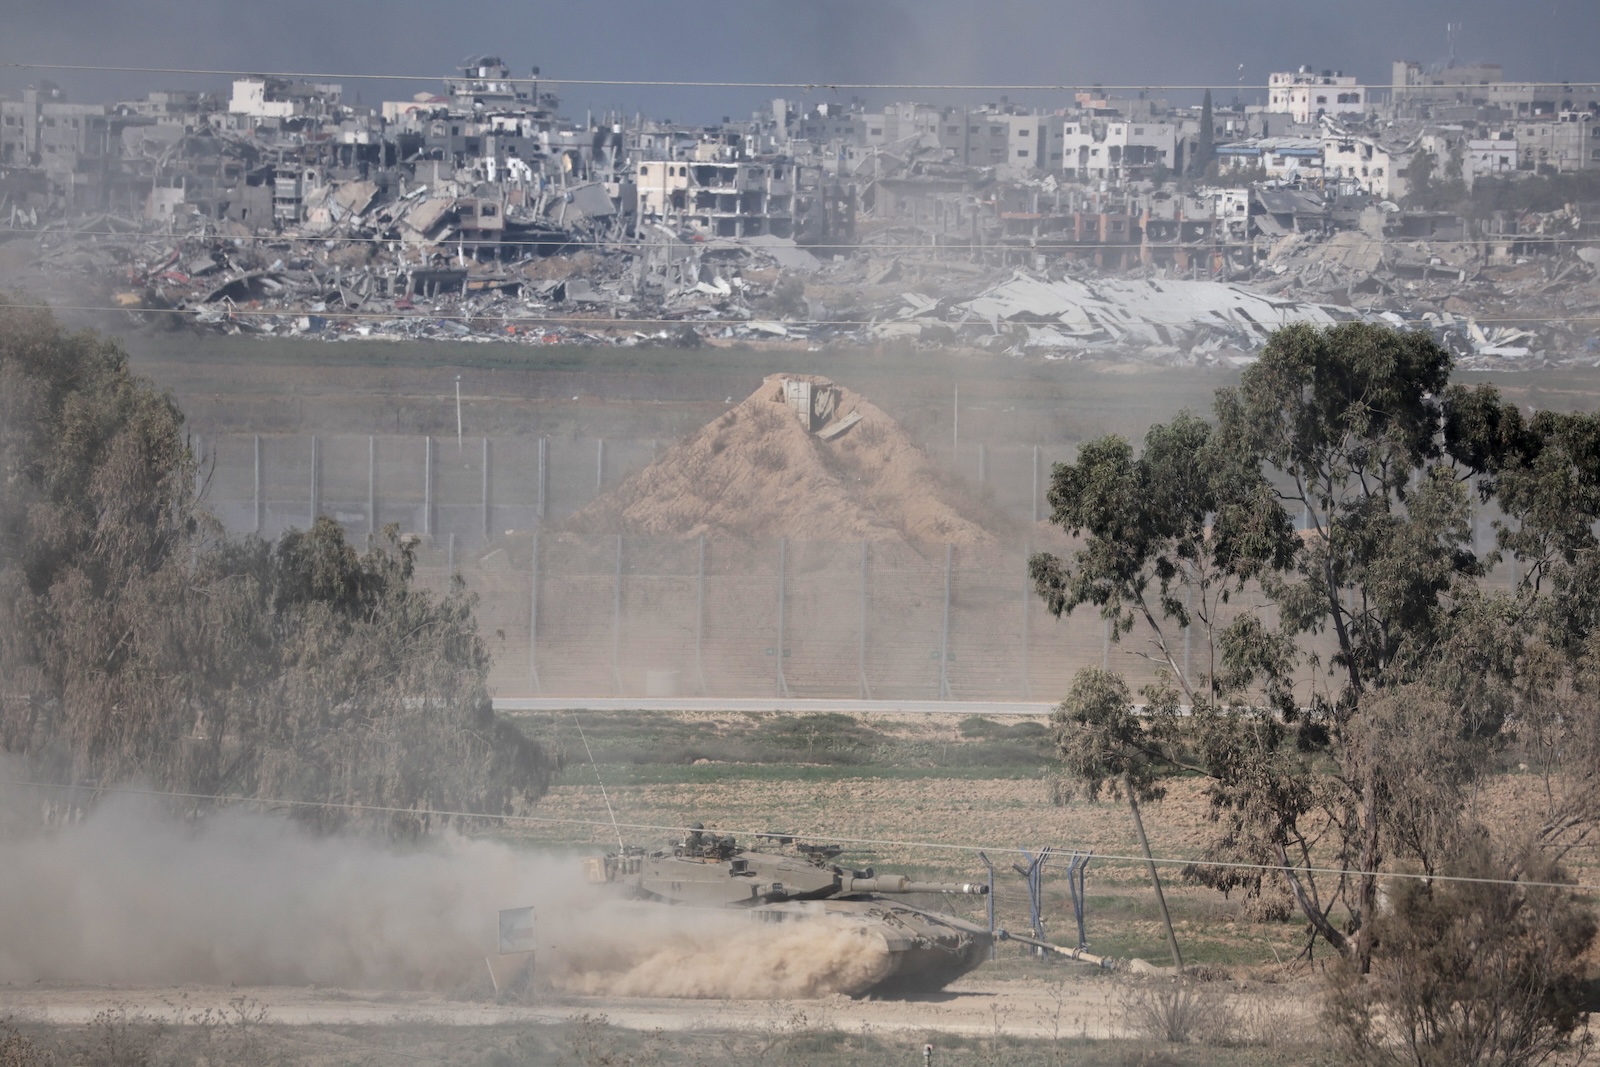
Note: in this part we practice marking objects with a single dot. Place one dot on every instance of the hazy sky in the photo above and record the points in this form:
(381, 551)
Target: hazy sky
(1016, 41)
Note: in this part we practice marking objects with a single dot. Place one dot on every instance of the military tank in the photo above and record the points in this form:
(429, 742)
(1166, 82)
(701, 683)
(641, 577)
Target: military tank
(777, 879)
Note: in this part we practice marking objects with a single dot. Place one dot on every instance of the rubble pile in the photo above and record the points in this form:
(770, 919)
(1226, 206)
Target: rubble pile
(358, 268)
(836, 469)
(363, 265)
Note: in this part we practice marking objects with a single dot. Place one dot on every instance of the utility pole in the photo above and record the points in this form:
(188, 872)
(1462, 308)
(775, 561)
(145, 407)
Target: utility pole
(459, 447)
(1155, 878)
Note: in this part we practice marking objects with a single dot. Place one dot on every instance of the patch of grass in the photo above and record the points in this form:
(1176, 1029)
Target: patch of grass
(980, 728)
(664, 747)
(707, 773)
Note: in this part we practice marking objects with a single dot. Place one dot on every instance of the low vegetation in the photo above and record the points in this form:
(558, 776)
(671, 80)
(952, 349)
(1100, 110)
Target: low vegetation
(138, 642)
(118, 1038)
(644, 746)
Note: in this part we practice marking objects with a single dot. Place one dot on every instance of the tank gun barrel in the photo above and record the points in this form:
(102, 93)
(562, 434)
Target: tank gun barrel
(899, 883)
(1060, 950)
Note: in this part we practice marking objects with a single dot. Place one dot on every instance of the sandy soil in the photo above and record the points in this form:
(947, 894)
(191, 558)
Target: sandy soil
(1069, 1006)
(758, 472)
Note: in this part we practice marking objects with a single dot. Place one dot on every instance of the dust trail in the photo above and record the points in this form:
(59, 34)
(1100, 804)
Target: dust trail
(131, 896)
(683, 952)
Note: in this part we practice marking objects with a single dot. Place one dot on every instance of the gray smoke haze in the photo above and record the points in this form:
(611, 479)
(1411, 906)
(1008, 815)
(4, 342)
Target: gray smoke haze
(1022, 41)
(132, 897)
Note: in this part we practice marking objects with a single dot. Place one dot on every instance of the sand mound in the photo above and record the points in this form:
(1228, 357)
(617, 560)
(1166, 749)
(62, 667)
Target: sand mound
(758, 471)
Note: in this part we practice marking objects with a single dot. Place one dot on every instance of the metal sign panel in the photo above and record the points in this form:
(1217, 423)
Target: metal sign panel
(516, 930)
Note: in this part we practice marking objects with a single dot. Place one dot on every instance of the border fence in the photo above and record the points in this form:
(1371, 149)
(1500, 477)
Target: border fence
(482, 488)
(633, 616)
(658, 617)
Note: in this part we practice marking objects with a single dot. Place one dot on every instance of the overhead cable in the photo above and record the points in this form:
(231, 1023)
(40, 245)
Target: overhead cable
(833, 838)
(685, 83)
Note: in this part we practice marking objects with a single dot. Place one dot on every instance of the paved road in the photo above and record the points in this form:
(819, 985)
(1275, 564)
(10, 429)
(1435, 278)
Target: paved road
(849, 707)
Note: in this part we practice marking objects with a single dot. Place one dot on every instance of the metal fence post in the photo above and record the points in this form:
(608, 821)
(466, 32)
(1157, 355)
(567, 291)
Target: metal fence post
(486, 490)
(544, 445)
(783, 566)
(316, 487)
(993, 944)
(944, 641)
(260, 504)
(1027, 604)
(533, 617)
(866, 688)
(1077, 868)
(1034, 513)
(1034, 873)
(450, 554)
(600, 465)
(700, 620)
(616, 624)
(199, 464)
(427, 486)
(372, 485)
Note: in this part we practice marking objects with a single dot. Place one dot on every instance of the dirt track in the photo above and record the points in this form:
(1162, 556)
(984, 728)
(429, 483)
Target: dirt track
(1076, 1005)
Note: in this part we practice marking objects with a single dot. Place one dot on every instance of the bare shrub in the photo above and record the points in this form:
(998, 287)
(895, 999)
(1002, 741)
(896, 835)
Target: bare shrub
(16, 1050)
(117, 1039)
(1483, 972)
(1177, 1012)
(1256, 1020)
(1060, 789)
(769, 456)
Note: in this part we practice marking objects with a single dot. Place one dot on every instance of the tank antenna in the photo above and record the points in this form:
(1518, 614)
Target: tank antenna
(603, 794)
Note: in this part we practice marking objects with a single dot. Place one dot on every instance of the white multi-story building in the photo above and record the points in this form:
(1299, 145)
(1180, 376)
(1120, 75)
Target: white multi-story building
(717, 197)
(1113, 149)
(274, 98)
(663, 187)
(1026, 141)
(1489, 158)
(1306, 96)
(1359, 163)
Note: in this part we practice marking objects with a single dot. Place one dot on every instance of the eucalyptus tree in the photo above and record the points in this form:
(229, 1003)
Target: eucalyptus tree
(1377, 601)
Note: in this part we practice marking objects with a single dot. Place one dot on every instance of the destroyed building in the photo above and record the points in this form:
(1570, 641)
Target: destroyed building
(477, 209)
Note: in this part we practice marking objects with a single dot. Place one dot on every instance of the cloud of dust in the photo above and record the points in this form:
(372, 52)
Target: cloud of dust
(132, 896)
(649, 951)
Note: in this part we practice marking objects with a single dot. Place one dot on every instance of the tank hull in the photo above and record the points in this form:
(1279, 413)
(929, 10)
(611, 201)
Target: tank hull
(913, 949)
(925, 950)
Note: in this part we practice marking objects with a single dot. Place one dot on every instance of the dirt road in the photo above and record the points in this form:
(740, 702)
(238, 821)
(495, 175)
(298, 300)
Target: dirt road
(1074, 1006)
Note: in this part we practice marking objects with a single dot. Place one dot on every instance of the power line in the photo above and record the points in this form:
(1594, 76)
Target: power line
(876, 841)
(808, 86)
